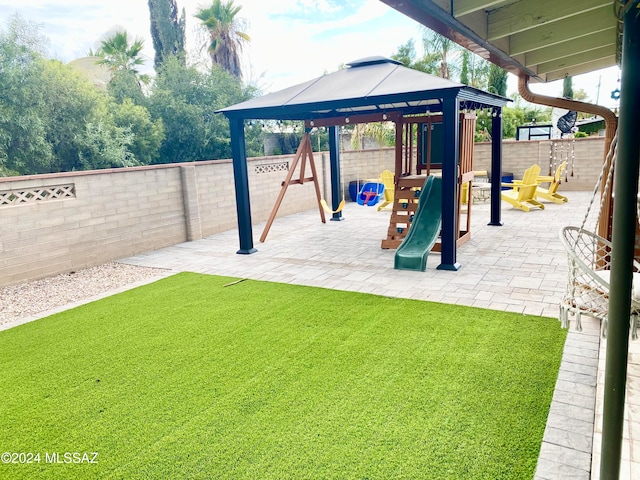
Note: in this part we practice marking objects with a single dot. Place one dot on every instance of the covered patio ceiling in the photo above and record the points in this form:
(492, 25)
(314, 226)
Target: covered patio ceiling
(544, 39)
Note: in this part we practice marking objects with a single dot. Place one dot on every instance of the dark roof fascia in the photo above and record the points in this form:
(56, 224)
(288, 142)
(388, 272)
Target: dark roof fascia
(434, 17)
(472, 94)
(309, 111)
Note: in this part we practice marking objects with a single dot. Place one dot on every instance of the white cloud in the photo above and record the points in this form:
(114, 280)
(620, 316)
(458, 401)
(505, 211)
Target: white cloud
(291, 40)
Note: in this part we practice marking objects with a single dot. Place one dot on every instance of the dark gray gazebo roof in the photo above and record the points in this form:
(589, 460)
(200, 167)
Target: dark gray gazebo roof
(367, 90)
(369, 85)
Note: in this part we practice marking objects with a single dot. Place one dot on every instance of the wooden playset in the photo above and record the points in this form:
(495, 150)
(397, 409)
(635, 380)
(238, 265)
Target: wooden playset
(418, 154)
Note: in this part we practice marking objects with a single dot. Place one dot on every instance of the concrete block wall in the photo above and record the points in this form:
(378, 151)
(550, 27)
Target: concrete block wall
(121, 212)
(114, 213)
(517, 156)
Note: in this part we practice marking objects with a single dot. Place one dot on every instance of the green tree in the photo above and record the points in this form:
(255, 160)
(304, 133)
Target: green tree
(382, 132)
(71, 103)
(511, 119)
(440, 47)
(497, 82)
(464, 69)
(105, 146)
(124, 85)
(186, 99)
(226, 34)
(408, 56)
(23, 145)
(167, 30)
(118, 54)
(567, 87)
(146, 135)
(477, 70)
(581, 95)
(54, 119)
(406, 53)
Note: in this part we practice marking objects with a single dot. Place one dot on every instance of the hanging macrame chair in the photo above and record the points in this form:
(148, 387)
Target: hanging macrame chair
(589, 262)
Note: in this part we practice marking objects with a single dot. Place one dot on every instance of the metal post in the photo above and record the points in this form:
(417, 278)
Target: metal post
(241, 179)
(496, 167)
(334, 162)
(623, 239)
(451, 160)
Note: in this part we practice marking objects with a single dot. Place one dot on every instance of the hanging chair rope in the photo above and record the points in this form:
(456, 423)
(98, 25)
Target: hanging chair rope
(589, 257)
(608, 163)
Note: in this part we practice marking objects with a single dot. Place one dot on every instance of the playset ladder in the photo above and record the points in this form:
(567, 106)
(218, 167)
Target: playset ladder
(405, 204)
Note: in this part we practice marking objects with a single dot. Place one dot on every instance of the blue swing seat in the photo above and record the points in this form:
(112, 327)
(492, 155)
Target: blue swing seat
(370, 194)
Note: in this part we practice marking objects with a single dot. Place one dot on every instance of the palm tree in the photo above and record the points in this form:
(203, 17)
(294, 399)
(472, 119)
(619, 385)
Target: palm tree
(226, 34)
(118, 55)
(440, 47)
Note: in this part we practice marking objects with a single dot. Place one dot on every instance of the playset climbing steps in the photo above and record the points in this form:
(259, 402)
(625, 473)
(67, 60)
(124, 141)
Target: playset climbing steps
(426, 157)
(405, 205)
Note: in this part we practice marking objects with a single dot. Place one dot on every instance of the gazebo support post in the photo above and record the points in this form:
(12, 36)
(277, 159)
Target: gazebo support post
(622, 251)
(496, 167)
(451, 141)
(334, 162)
(241, 180)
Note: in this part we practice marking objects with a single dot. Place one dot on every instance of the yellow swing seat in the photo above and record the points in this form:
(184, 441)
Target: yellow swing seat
(327, 209)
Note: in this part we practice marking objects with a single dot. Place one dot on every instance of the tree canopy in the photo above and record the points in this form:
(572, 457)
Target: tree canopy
(55, 119)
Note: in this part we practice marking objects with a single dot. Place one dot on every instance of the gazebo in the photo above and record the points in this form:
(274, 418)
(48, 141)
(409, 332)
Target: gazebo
(372, 89)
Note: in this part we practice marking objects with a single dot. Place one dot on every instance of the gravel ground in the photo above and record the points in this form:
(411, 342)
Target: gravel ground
(32, 298)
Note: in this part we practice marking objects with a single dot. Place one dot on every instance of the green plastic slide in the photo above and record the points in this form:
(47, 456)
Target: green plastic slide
(413, 252)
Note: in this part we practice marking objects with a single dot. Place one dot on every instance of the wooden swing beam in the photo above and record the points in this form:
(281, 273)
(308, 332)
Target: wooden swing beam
(304, 153)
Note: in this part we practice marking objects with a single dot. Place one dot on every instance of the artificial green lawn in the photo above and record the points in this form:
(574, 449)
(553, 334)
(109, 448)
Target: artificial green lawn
(185, 378)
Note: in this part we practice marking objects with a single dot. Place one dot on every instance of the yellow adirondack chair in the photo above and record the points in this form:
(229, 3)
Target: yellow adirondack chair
(522, 194)
(389, 188)
(551, 193)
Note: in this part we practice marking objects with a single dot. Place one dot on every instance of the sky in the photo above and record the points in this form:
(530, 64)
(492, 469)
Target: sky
(292, 41)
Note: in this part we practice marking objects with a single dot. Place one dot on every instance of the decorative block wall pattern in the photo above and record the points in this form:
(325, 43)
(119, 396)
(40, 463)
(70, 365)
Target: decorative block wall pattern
(37, 194)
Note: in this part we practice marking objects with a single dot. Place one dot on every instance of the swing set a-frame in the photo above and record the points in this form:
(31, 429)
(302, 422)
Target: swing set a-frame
(303, 155)
(414, 154)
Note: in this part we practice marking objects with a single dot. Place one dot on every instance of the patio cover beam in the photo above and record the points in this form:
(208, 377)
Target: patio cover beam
(625, 188)
(504, 31)
(569, 48)
(608, 52)
(523, 16)
(465, 7)
(573, 28)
